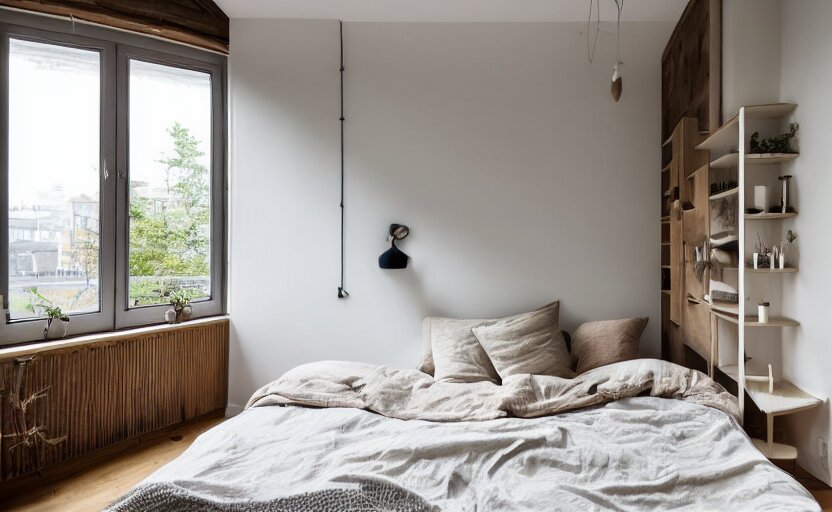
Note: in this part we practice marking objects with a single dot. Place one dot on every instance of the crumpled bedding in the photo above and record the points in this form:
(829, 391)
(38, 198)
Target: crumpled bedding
(641, 435)
(410, 394)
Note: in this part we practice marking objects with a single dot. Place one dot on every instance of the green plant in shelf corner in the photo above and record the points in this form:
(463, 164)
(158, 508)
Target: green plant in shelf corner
(776, 144)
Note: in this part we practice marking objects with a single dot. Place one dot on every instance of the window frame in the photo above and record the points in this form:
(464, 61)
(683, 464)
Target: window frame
(143, 315)
(116, 48)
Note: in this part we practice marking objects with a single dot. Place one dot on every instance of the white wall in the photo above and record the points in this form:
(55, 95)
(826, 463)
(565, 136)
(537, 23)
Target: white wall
(750, 53)
(498, 144)
(807, 356)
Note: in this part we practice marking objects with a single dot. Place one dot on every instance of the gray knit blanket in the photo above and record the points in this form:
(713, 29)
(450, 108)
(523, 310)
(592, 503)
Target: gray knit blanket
(366, 495)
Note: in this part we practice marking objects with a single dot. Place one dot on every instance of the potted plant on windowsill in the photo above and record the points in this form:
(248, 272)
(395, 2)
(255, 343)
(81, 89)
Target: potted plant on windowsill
(181, 302)
(57, 322)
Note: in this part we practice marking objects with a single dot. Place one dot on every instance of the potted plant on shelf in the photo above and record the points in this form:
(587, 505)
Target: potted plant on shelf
(57, 322)
(181, 302)
(787, 245)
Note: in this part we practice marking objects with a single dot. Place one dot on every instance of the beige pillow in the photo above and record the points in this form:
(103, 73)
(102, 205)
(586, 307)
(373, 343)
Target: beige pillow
(601, 343)
(457, 355)
(527, 343)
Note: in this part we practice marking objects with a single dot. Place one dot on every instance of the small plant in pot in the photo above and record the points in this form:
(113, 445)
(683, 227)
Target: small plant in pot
(181, 302)
(57, 322)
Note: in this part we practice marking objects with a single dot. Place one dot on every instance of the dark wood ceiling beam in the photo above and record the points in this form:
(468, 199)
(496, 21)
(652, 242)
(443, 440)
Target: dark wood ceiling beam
(196, 22)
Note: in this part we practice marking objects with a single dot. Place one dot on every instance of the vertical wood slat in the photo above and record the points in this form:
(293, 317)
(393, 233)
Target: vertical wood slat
(108, 392)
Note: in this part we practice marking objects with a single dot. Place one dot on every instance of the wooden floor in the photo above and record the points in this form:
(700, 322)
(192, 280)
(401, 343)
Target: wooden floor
(94, 488)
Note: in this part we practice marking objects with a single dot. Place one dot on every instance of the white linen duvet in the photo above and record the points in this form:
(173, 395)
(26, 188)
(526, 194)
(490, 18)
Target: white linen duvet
(627, 453)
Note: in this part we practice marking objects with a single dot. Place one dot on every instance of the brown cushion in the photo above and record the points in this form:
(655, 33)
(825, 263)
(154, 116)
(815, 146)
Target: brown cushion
(457, 355)
(605, 342)
(527, 343)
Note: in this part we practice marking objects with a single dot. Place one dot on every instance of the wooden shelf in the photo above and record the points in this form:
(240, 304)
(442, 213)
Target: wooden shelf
(786, 398)
(726, 161)
(666, 292)
(727, 135)
(726, 193)
(787, 270)
(769, 158)
(725, 307)
(730, 160)
(779, 451)
(751, 321)
(724, 138)
(752, 369)
(697, 171)
(668, 140)
(664, 219)
(769, 216)
(665, 266)
(769, 111)
(666, 168)
(665, 243)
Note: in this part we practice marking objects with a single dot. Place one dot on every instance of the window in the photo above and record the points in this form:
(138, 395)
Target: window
(54, 196)
(170, 186)
(113, 163)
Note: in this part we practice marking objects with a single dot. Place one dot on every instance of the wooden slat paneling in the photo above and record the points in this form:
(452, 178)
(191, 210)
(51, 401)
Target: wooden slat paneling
(197, 22)
(103, 393)
(691, 68)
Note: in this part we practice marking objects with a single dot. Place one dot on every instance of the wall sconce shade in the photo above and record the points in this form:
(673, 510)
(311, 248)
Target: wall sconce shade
(394, 258)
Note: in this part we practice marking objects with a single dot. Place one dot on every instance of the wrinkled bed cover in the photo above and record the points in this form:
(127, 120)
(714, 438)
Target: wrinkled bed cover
(639, 453)
(357, 437)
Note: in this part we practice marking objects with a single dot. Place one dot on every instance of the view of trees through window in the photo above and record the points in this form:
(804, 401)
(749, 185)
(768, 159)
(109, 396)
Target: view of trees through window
(169, 237)
(170, 192)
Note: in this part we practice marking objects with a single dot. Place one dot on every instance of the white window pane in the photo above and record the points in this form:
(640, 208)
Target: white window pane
(169, 166)
(54, 159)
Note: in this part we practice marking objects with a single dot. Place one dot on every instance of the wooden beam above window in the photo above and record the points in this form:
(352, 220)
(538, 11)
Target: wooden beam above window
(196, 22)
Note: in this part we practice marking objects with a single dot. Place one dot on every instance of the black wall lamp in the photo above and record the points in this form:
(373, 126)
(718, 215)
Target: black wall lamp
(393, 257)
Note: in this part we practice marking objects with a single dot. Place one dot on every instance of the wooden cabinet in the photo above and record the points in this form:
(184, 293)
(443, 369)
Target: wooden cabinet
(685, 212)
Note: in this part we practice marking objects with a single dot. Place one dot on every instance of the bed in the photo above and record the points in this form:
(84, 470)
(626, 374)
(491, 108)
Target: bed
(635, 435)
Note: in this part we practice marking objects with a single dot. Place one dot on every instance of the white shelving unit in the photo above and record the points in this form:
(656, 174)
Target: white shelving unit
(729, 149)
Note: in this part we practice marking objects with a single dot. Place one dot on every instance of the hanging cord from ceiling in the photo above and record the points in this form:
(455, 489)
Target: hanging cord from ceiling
(617, 83)
(590, 47)
(342, 293)
(620, 5)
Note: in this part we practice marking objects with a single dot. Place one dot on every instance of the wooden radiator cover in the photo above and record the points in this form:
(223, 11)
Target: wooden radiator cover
(100, 393)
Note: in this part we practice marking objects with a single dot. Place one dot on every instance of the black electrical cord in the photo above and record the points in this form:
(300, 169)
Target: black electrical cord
(342, 293)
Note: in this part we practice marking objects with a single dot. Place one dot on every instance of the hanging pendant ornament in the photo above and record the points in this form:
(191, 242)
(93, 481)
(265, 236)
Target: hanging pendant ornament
(617, 84)
(616, 87)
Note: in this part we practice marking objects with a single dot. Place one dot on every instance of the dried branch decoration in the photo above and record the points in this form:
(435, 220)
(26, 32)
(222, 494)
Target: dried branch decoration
(29, 436)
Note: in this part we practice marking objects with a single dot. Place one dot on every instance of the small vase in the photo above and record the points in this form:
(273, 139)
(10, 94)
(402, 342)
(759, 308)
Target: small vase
(184, 314)
(55, 329)
(762, 313)
(170, 316)
(756, 259)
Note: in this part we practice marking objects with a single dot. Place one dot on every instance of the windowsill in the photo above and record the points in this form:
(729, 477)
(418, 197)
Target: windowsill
(86, 339)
